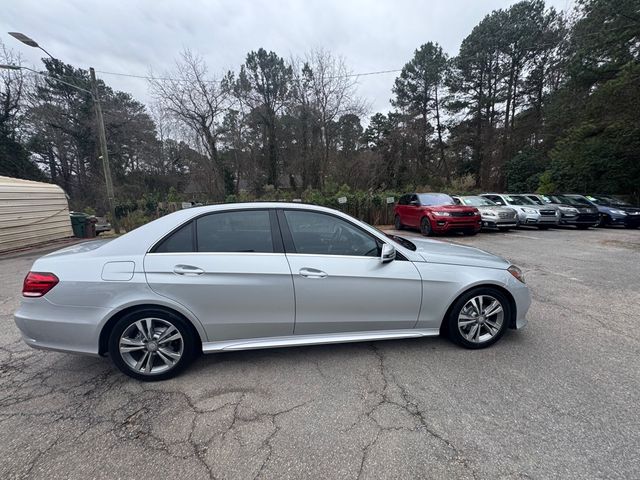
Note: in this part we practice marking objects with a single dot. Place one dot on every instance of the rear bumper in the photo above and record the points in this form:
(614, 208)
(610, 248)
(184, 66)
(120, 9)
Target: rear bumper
(44, 325)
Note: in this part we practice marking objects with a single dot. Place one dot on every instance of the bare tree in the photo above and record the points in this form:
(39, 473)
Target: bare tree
(12, 89)
(192, 98)
(333, 88)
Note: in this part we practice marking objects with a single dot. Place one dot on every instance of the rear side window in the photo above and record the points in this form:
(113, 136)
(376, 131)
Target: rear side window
(235, 231)
(182, 240)
(404, 200)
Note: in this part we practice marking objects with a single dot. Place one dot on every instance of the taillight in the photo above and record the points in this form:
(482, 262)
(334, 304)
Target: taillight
(37, 284)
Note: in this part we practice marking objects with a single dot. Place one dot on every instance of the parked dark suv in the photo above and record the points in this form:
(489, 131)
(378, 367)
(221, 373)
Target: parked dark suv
(614, 211)
(435, 213)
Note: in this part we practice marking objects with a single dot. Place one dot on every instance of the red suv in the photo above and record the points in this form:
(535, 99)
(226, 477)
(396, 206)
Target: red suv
(435, 213)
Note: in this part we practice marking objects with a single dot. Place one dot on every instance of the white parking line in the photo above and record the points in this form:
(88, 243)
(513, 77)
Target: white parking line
(523, 236)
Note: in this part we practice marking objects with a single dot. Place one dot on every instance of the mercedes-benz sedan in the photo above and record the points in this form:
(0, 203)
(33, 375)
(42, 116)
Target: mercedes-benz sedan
(257, 275)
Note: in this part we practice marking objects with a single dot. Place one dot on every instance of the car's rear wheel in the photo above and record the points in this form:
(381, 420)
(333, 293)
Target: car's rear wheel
(479, 318)
(425, 226)
(397, 224)
(152, 345)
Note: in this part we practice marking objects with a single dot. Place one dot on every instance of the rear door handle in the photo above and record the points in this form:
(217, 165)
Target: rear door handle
(312, 273)
(187, 270)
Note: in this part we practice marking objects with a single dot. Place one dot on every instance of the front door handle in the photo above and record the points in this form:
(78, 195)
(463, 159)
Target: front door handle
(312, 273)
(187, 270)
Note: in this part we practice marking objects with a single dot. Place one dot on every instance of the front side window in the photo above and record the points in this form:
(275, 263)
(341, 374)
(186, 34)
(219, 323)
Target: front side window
(323, 234)
(235, 231)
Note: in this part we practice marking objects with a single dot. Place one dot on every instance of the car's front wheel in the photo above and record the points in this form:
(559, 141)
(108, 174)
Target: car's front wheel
(425, 226)
(152, 345)
(479, 318)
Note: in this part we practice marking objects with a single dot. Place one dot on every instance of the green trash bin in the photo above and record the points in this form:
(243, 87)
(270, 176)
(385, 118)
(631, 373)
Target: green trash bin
(78, 224)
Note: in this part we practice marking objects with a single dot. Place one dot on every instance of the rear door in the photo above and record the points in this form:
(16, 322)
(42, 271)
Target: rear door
(230, 270)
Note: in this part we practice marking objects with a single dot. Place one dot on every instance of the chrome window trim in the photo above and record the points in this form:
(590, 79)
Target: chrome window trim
(216, 253)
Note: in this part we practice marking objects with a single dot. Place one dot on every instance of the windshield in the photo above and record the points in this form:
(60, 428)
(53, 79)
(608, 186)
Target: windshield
(517, 200)
(581, 201)
(607, 201)
(537, 200)
(429, 199)
(477, 201)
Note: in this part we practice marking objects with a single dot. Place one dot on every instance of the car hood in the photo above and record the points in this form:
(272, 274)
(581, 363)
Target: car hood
(492, 208)
(434, 251)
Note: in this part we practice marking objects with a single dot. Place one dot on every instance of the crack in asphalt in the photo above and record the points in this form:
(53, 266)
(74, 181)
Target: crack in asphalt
(408, 405)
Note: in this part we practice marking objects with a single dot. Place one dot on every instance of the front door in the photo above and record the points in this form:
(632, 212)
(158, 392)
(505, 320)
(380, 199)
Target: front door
(340, 283)
(230, 270)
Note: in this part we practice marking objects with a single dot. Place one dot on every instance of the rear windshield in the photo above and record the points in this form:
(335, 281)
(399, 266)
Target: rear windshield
(435, 199)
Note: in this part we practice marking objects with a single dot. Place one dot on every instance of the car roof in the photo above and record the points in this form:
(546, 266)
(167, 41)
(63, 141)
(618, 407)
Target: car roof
(138, 241)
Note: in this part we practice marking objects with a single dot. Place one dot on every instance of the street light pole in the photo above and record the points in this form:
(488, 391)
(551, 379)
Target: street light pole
(102, 138)
(103, 148)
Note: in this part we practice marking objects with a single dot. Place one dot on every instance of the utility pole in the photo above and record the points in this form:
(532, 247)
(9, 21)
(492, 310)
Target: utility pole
(103, 149)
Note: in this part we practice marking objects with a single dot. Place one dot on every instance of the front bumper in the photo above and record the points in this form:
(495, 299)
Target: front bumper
(45, 325)
(497, 222)
(448, 224)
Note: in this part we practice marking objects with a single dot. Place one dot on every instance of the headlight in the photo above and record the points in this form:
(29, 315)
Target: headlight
(529, 210)
(569, 210)
(442, 214)
(516, 272)
(490, 213)
(618, 212)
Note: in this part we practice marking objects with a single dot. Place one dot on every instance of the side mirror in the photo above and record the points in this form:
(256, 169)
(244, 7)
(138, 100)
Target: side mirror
(388, 253)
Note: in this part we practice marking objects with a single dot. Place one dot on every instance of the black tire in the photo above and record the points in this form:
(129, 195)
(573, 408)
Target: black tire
(188, 343)
(397, 224)
(543, 227)
(604, 220)
(631, 227)
(470, 233)
(582, 227)
(451, 327)
(425, 227)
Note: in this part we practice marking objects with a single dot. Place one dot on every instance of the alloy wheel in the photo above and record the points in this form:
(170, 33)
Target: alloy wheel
(481, 319)
(151, 346)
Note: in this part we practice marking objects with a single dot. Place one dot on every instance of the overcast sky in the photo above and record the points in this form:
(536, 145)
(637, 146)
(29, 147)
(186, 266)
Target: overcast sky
(134, 36)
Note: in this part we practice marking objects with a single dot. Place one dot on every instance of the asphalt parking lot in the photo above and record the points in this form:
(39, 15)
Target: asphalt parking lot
(557, 399)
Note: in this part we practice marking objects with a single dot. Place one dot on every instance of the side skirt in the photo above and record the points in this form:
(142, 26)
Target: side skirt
(315, 339)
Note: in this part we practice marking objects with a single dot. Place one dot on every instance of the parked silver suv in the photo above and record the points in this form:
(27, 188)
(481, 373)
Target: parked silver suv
(492, 214)
(529, 213)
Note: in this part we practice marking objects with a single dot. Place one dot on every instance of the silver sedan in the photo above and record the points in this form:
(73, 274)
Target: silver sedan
(259, 275)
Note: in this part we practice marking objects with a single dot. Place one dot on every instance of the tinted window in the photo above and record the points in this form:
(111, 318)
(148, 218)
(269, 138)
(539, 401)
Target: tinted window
(535, 199)
(404, 200)
(435, 199)
(240, 231)
(322, 234)
(179, 241)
